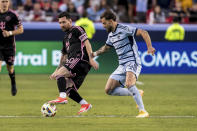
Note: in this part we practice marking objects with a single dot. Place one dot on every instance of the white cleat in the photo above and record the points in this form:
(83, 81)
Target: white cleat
(142, 114)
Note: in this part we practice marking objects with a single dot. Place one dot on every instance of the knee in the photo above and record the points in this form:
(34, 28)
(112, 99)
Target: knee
(108, 91)
(10, 69)
(58, 77)
(129, 84)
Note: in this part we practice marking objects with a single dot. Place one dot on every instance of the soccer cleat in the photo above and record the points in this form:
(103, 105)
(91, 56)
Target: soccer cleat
(59, 100)
(84, 108)
(142, 114)
(141, 93)
(13, 90)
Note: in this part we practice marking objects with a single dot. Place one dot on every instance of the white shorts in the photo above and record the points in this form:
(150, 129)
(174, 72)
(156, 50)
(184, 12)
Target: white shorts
(120, 73)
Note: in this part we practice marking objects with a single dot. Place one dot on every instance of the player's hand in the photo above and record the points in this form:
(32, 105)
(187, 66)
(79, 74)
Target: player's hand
(53, 76)
(94, 64)
(5, 33)
(93, 54)
(151, 50)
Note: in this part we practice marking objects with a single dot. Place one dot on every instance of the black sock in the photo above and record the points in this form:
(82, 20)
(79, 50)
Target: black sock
(73, 94)
(12, 77)
(61, 83)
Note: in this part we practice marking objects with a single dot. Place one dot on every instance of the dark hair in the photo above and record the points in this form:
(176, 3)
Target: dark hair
(108, 14)
(84, 14)
(64, 14)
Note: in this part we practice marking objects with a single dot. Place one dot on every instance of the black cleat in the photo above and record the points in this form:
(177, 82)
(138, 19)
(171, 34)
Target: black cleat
(13, 90)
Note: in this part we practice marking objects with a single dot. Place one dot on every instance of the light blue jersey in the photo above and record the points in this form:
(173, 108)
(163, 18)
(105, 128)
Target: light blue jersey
(122, 39)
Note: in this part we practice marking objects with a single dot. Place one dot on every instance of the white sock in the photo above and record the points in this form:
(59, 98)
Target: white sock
(83, 102)
(63, 94)
(119, 91)
(137, 97)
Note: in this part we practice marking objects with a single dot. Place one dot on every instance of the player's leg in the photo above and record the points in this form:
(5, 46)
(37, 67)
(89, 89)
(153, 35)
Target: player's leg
(62, 99)
(11, 72)
(130, 84)
(61, 76)
(1, 59)
(81, 70)
(0, 64)
(72, 93)
(114, 88)
(9, 57)
(115, 83)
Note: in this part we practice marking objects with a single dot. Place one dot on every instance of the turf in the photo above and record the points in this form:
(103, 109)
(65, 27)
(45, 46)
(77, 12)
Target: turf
(170, 100)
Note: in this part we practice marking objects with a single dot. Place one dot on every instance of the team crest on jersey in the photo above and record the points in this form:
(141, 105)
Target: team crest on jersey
(112, 39)
(69, 36)
(7, 18)
(118, 37)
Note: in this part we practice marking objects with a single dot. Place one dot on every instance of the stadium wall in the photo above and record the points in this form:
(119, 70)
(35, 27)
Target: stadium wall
(38, 50)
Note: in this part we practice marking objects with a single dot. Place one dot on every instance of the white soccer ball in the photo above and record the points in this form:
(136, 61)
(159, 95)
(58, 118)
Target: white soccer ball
(48, 110)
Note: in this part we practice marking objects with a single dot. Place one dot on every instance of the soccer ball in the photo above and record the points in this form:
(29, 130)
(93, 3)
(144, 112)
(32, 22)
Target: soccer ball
(48, 110)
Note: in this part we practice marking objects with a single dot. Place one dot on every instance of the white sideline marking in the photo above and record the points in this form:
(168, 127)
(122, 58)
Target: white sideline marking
(98, 116)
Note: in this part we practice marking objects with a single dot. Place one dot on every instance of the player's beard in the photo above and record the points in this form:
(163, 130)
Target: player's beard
(4, 8)
(65, 29)
(109, 29)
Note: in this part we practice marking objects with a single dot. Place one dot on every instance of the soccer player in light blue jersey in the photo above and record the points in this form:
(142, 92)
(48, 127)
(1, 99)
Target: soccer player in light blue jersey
(121, 37)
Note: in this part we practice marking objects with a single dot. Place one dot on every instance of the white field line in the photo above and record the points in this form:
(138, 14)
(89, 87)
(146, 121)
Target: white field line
(98, 116)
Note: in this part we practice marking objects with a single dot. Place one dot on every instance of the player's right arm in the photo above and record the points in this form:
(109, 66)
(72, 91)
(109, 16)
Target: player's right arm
(102, 50)
(62, 62)
(64, 56)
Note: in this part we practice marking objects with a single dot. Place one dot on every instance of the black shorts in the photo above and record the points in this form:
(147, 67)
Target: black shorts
(7, 55)
(79, 71)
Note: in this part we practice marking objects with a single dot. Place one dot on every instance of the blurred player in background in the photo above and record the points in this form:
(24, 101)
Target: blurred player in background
(176, 31)
(8, 21)
(121, 37)
(75, 63)
(87, 24)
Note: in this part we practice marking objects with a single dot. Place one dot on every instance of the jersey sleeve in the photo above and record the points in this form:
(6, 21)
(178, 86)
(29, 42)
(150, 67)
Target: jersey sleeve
(64, 48)
(16, 20)
(80, 33)
(108, 42)
(130, 30)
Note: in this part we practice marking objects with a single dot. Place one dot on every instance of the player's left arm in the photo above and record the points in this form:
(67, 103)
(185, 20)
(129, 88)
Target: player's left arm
(18, 31)
(89, 51)
(146, 37)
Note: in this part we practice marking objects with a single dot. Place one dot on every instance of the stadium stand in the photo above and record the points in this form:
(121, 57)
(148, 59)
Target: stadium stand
(128, 11)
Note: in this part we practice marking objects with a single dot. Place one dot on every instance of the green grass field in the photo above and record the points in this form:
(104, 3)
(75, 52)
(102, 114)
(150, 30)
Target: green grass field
(170, 99)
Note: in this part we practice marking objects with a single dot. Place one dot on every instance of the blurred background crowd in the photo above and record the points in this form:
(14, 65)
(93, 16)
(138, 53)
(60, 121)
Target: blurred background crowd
(129, 11)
